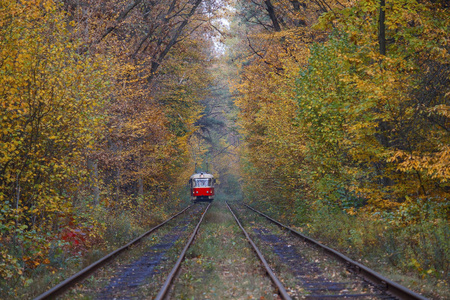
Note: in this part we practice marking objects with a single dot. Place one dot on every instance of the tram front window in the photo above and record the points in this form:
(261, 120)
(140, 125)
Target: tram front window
(202, 182)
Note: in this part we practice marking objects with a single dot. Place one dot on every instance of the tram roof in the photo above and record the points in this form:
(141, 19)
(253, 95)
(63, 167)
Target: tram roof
(202, 175)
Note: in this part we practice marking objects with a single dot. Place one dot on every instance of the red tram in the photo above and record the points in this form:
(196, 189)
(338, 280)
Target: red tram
(202, 187)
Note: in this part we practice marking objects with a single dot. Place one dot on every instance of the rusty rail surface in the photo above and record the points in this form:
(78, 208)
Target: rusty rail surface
(281, 289)
(373, 277)
(69, 282)
(168, 283)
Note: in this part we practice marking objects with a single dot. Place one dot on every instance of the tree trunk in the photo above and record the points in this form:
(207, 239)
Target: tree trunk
(141, 187)
(96, 190)
(117, 183)
(296, 5)
(271, 10)
(382, 28)
(93, 179)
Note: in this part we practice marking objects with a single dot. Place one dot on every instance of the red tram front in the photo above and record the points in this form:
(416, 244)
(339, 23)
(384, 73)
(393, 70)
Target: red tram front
(202, 187)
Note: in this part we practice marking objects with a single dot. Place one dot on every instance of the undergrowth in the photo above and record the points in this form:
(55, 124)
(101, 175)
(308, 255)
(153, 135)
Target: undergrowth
(98, 230)
(410, 246)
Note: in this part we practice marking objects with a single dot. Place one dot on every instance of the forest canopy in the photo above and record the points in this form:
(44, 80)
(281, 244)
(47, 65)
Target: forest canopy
(99, 105)
(345, 119)
(332, 115)
(317, 109)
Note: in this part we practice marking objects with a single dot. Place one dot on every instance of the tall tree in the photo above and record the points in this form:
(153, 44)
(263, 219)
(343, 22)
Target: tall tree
(382, 27)
(154, 106)
(51, 111)
(361, 126)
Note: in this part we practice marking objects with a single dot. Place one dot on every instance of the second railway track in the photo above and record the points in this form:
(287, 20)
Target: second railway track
(136, 270)
(310, 270)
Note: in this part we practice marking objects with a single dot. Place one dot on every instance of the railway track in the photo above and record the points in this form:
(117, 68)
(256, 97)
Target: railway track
(169, 281)
(298, 266)
(282, 292)
(126, 272)
(309, 269)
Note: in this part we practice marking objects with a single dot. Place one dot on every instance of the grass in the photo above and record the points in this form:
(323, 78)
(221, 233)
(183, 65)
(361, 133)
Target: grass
(221, 264)
(416, 255)
(120, 228)
(329, 269)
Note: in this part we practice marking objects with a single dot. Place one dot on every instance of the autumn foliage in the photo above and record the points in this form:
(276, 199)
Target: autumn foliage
(323, 110)
(106, 106)
(52, 100)
(99, 102)
(332, 125)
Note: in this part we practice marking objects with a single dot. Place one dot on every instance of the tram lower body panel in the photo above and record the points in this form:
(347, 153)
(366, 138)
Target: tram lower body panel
(202, 194)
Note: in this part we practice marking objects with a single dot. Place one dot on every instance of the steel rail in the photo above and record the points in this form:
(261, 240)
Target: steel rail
(69, 282)
(168, 283)
(375, 278)
(281, 289)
